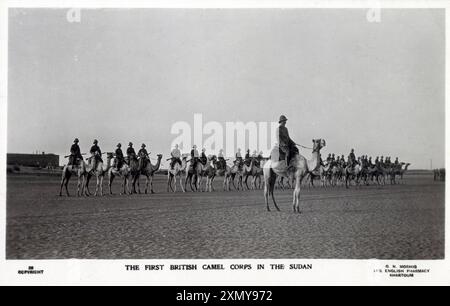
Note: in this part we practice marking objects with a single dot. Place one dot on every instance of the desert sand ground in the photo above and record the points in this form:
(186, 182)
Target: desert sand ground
(404, 221)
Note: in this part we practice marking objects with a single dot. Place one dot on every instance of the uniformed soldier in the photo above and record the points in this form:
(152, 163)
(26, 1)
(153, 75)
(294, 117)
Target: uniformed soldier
(247, 160)
(96, 153)
(377, 162)
(75, 153)
(286, 144)
(194, 156)
(203, 158)
(143, 156)
(175, 157)
(119, 157)
(396, 162)
(260, 155)
(221, 158)
(131, 154)
(352, 158)
(329, 159)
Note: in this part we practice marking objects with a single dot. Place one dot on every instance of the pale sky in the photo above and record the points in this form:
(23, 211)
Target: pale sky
(127, 75)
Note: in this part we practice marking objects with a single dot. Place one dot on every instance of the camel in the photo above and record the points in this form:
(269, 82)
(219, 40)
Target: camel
(228, 176)
(192, 173)
(125, 173)
(322, 173)
(252, 170)
(148, 171)
(299, 166)
(352, 173)
(79, 171)
(100, 171)
(210, 173)
(257, 172)
(402, 171)
(172, 175)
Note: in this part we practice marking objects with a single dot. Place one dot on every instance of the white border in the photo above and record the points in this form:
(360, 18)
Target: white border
(94, 272)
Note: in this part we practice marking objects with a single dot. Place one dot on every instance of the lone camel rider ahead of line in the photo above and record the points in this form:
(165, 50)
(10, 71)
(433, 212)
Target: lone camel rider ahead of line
(75, 153)
(119, 157)
(285, 143)
(96, 153)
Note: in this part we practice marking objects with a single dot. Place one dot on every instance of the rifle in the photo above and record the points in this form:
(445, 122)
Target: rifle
(67, 156)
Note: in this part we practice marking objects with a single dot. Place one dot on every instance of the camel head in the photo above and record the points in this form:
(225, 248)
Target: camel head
(109, 155)
(159, 156)
(318, 144)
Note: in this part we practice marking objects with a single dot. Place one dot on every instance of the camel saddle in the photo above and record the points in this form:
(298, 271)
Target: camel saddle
(278, 158)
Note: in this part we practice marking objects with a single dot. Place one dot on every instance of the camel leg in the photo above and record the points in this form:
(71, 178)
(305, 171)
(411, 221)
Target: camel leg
(266, 192)
(296, 196)
(271, 190)
(63, 179)
(101, 185)
(66, 186)
(151, 184)
(110, 180)
(97, 185)
(181, 184)
(169, 182)
(146, 184)
(79, 186)
(246, 183)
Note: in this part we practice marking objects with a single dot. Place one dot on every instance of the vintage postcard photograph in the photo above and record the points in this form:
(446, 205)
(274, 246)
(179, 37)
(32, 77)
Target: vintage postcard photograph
(217, 133)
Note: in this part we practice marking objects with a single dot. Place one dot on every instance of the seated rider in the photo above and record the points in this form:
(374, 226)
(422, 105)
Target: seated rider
(119, 157)
(396, 163)
(143, 157)
(286, 144)
(239, 160)
(203, 158)
(175, 157)
(329, 159)
(247, 159)
(194, 156)
(131, 154)
(352, 158)
(96, 153)
(222, 163)
(75, 154)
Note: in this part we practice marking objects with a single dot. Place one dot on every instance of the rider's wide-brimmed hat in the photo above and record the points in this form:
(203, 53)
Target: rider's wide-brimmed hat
(95, 141)
(76, 140)
(130, 143)
(143, 145)
(282, 119)
(119, 144)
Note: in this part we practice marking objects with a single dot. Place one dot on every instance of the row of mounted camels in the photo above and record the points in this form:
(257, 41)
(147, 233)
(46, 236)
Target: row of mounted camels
(275, 174)
(132, 172)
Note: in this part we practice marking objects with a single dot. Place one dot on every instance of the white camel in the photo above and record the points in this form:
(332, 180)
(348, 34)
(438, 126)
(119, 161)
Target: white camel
(298, 168)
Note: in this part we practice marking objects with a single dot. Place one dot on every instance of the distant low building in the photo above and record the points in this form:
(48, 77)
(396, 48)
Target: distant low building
(33, 160)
